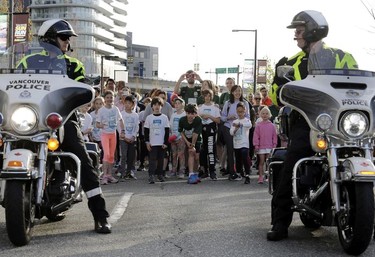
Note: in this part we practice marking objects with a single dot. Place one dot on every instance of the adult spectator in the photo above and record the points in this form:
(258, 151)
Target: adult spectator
(191, 92)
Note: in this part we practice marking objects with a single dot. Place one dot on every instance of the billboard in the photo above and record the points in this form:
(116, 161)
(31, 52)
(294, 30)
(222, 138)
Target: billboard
(248, 71)
(262, 72)
(20, 31)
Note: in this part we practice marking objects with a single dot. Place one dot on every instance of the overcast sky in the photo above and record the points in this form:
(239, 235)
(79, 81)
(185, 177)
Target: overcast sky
(190, 31)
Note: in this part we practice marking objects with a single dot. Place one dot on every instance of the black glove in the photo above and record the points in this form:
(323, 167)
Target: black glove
(278, 81)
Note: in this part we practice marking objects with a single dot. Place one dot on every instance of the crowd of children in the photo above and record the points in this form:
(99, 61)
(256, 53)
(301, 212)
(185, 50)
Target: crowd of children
(193, 137)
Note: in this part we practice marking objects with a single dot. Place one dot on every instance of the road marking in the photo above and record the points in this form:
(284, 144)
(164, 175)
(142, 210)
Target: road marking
(120, 208)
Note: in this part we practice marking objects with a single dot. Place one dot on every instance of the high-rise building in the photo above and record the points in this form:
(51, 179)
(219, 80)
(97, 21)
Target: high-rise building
(143, 61)
(100, 25)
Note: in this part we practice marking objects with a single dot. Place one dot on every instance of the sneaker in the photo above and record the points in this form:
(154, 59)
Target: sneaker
(235, 177)
(223, 172)
(172, 174)
(130, 175)
(247, 179)
(122, 178)
(181, 175)
(260, 180)
(104, 181)
(193, 179)
(119, 172)
(202, 175)
(161, 178)
(213, 176)
(151, 179)
(111, 179)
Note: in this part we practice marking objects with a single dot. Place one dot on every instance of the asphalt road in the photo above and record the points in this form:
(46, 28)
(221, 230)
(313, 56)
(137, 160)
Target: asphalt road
(213, 218)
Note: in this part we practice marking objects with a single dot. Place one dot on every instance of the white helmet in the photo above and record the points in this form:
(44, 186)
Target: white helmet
(51, 29)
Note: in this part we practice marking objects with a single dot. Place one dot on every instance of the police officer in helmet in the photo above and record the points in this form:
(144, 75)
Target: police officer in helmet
(310, 28)
(54, 34)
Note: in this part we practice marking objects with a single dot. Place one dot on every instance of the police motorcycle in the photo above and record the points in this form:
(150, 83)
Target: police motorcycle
(335, 186)
(37, 179)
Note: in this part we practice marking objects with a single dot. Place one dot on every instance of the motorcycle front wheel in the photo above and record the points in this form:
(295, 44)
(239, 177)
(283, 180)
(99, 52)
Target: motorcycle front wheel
(355, 223)
(19, 211)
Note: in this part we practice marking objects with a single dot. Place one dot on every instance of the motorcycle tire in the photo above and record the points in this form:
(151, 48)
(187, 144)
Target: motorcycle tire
(309, 222)
(356, 222)
(19, 211)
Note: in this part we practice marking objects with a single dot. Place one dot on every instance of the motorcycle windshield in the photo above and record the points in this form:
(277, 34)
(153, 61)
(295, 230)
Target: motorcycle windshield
(334, 86)
(35, 75)
(34, 58)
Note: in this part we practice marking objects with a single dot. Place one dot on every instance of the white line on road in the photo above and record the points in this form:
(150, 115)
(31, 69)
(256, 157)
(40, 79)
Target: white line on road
(120, 208)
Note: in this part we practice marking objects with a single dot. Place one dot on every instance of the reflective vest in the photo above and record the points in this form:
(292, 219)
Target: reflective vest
(333, 58)
(75, 68)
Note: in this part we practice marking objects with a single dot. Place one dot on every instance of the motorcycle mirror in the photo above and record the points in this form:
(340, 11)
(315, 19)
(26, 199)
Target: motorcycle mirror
(285, 71)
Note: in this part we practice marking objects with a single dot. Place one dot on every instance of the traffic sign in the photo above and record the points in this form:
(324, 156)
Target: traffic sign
(221, 70)
(233, 70)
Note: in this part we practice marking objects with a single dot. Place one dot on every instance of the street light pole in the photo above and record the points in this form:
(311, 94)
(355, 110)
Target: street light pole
(101, 73)
(255, 52)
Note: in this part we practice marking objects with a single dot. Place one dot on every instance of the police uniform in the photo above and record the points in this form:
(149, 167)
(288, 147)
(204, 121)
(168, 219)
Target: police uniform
(73, 143)
(299, 138)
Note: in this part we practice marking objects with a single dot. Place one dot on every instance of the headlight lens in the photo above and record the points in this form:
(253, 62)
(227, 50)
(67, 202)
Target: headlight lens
(354, 124)
(324, 121)
(23, 120)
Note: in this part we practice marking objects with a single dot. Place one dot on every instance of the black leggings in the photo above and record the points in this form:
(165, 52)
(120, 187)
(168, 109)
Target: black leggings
(207, 156)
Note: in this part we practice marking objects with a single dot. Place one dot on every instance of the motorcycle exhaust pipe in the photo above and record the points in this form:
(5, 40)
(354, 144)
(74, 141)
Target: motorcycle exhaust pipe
(304, 208)
(62, 206)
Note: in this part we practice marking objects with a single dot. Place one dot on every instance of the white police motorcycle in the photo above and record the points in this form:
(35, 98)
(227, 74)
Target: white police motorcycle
(36, 178)
(335, 186)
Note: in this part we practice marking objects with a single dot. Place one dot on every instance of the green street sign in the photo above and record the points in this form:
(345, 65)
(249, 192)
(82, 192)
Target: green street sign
(233, 70)
(221, 70)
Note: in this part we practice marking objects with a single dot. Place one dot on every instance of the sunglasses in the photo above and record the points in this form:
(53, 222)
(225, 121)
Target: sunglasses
(257, 98)
(63, 37)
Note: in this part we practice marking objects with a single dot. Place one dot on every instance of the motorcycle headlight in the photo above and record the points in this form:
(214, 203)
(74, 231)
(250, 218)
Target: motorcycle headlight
(354, 124)
(23, 120)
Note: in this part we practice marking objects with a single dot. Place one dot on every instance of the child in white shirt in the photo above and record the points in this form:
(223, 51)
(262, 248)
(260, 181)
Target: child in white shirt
(177, 143)
(240, 129)
(86, 122)
(156, 138)
(127, 144)
(108, 119)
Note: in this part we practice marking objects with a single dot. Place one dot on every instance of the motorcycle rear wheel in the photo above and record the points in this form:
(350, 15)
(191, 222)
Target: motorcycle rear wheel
(356, 222)
(19, 211)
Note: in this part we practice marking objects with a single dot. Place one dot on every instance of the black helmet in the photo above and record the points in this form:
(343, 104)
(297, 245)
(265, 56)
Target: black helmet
(50, 29)
(316, 26)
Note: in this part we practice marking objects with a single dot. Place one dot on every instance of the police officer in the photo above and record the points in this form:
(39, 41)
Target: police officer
(54, 34)
(310, 28)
